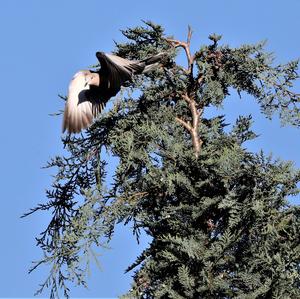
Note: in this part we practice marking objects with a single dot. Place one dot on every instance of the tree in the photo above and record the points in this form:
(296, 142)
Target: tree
(218, 215)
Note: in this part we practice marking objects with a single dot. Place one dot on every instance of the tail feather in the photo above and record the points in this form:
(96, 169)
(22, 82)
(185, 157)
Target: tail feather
(152, 62)
(154, 59)
(151, 67)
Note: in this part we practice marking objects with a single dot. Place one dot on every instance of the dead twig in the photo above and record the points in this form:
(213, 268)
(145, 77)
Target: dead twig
(186, 47)
(194, 126)
(191, 126)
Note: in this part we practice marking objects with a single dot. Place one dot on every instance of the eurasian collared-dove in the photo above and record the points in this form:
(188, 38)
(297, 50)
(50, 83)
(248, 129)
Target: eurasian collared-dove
(90, 90)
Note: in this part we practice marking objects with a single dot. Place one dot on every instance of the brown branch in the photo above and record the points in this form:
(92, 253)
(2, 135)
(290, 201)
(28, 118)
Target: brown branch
(133, 197)
(186, 47)
(187, 125)
(128, 198)
(200, 79)
(193, 128)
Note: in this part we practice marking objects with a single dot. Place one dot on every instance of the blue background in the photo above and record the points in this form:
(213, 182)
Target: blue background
(43, 43)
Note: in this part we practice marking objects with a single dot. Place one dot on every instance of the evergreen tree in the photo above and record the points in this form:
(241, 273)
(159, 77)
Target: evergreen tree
(218, 215)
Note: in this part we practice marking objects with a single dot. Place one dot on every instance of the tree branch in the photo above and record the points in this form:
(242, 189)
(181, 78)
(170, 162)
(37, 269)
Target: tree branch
(184, 123)
(193, 128)
(186, 47)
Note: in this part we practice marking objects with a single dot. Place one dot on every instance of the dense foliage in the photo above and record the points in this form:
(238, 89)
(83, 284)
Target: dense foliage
(218, 215)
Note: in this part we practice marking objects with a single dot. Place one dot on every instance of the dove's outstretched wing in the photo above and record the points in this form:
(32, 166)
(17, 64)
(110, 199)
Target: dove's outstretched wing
(82, 104)
(89, 91)
(115, 71)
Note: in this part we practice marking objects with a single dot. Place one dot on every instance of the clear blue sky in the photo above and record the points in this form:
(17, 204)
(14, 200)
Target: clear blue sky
(43, 43)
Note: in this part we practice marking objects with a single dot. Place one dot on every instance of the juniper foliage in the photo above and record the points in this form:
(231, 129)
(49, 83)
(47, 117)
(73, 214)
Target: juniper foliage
(218, 215)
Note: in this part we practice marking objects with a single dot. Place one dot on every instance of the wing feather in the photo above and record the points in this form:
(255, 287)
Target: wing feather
(80, 107)
(117, 70)
(85, 102)
(133, 66)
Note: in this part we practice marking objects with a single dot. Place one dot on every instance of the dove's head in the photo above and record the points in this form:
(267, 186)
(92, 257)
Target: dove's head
(92, 78)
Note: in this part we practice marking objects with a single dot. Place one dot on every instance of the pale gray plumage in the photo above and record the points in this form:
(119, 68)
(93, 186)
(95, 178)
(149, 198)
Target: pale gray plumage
(89, 90)
(78, 111)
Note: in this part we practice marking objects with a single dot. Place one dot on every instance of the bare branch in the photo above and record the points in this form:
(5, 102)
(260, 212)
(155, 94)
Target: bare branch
(185, 124)
(186, 47)
(200, 79)
(190, 32)
(193, 128)
(195, 112)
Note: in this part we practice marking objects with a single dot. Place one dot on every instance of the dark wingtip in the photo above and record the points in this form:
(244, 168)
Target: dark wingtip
(99, 54)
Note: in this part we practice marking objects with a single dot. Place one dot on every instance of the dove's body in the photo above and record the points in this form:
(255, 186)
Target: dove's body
(89, 91)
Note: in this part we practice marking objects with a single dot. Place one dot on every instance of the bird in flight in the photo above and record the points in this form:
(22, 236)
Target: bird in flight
(90, 90)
